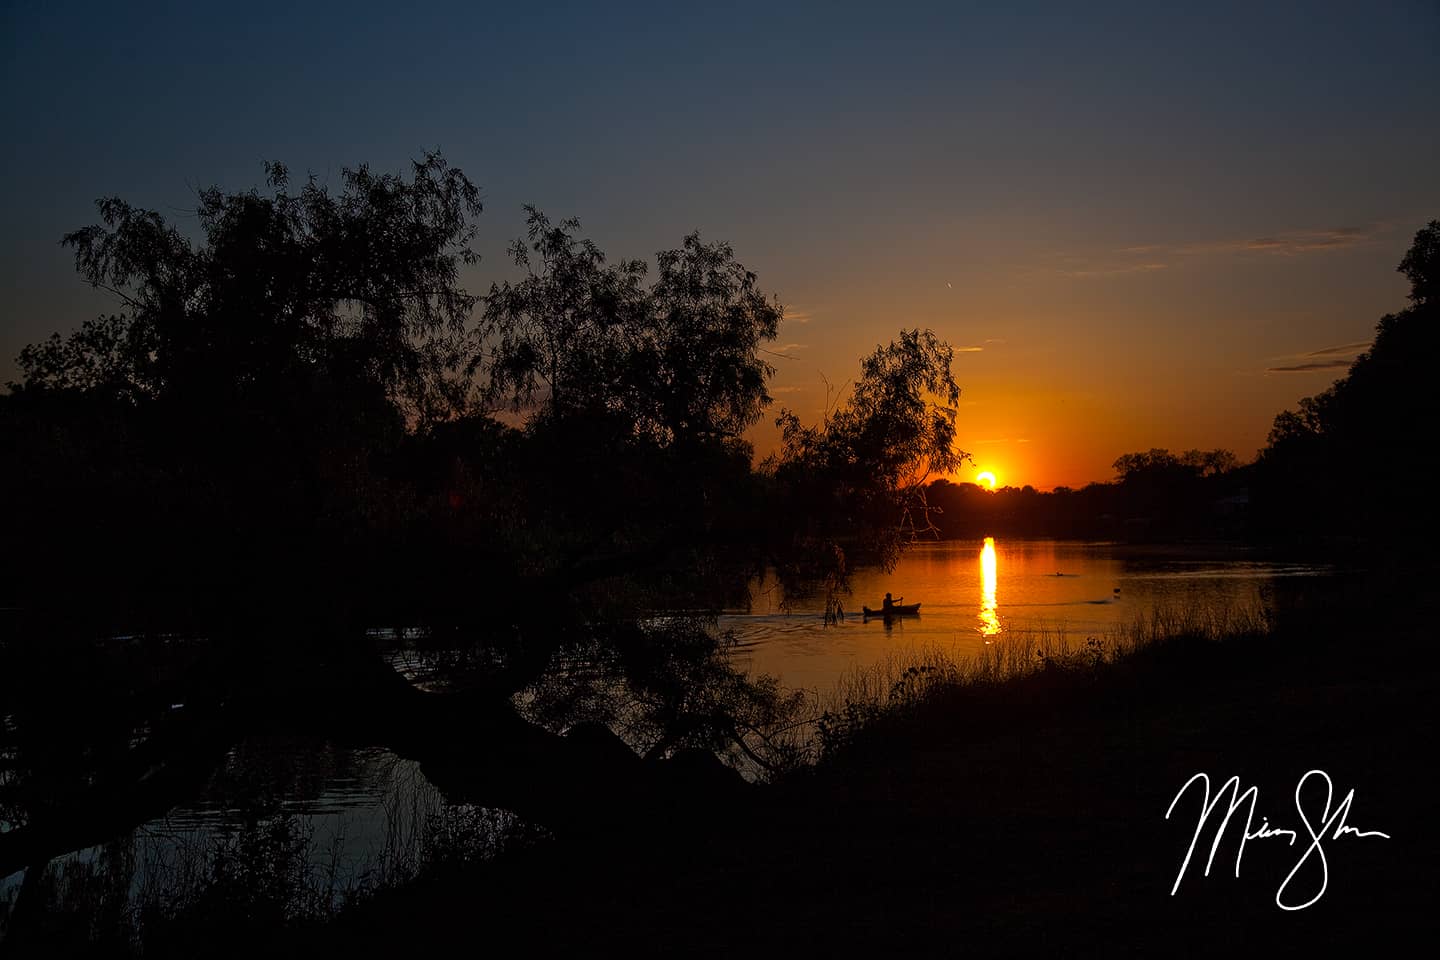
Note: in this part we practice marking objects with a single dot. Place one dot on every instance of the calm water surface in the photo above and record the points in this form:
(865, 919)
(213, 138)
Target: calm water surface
(355, 802)
(974, 592)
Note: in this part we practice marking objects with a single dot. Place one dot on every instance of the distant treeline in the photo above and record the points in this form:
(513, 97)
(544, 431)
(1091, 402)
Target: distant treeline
(1158, 496)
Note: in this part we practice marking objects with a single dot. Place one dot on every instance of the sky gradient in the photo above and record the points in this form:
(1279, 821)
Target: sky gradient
(1142, 227)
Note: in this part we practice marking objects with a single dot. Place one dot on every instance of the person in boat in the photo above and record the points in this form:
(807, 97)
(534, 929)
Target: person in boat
(889, 604)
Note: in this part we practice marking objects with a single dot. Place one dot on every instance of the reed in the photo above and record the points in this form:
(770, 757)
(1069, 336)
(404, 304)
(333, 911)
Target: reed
(903, 682)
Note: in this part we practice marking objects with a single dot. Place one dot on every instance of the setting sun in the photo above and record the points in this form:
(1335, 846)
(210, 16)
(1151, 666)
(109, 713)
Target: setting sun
(986, 479)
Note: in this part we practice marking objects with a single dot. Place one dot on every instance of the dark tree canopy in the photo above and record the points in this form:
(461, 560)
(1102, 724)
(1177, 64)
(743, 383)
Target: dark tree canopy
(1385, 385)
(285, 291)
(1374, 418)
(1421, 265)
(897, 427)
(674, 360)
(1159, 464)
(856, 480)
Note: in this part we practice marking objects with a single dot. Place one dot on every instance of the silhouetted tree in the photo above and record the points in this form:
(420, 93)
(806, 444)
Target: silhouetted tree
(1133, 467)
(286, 291)
(228, 430)
(676, 360)
(1372, 421)
(1421, 265)
(857, 480)
(1166, 495)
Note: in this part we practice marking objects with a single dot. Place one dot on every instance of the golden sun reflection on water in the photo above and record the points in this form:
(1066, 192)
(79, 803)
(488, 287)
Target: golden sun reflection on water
(989, 617)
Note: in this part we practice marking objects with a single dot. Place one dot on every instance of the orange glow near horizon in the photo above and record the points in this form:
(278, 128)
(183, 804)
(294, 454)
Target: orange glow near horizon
(1051, 404)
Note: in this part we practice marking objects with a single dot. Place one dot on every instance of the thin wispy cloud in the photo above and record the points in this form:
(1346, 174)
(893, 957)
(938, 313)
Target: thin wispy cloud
(1113, 271)
(969, 349)
(1348, 349)
(1337, 357)
(798, 316)
(1291, 244)
(1159, 256)
(785, 352)
(1311, 367)
(1285, 243)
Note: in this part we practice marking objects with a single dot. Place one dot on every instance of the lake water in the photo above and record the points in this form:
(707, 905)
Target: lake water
(358, 814)
(977, 592)
(355, 804)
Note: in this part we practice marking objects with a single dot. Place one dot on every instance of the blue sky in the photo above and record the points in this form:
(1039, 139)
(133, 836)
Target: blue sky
(1138, 215)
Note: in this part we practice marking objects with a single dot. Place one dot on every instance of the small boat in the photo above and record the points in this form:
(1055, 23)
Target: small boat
(897, 610)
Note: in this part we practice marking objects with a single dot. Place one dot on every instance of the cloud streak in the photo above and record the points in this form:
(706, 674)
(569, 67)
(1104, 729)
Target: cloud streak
(1311, 367)
(1294, 243)
(1337, 357)
(1158, 256)
(1115, 271)
(1347, 349)
(1289, 243)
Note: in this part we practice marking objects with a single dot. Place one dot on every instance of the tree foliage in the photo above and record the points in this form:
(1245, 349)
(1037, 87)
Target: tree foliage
(858, 476)
(1161, 464)
(1372, 419)
(1421, 265)
(897, 427)
(674, 360)
(285, 292)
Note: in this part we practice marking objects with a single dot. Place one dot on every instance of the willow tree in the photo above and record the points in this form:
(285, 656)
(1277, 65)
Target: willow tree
(857, 478)
(256, 368)
(280, 290)
(677, 359)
